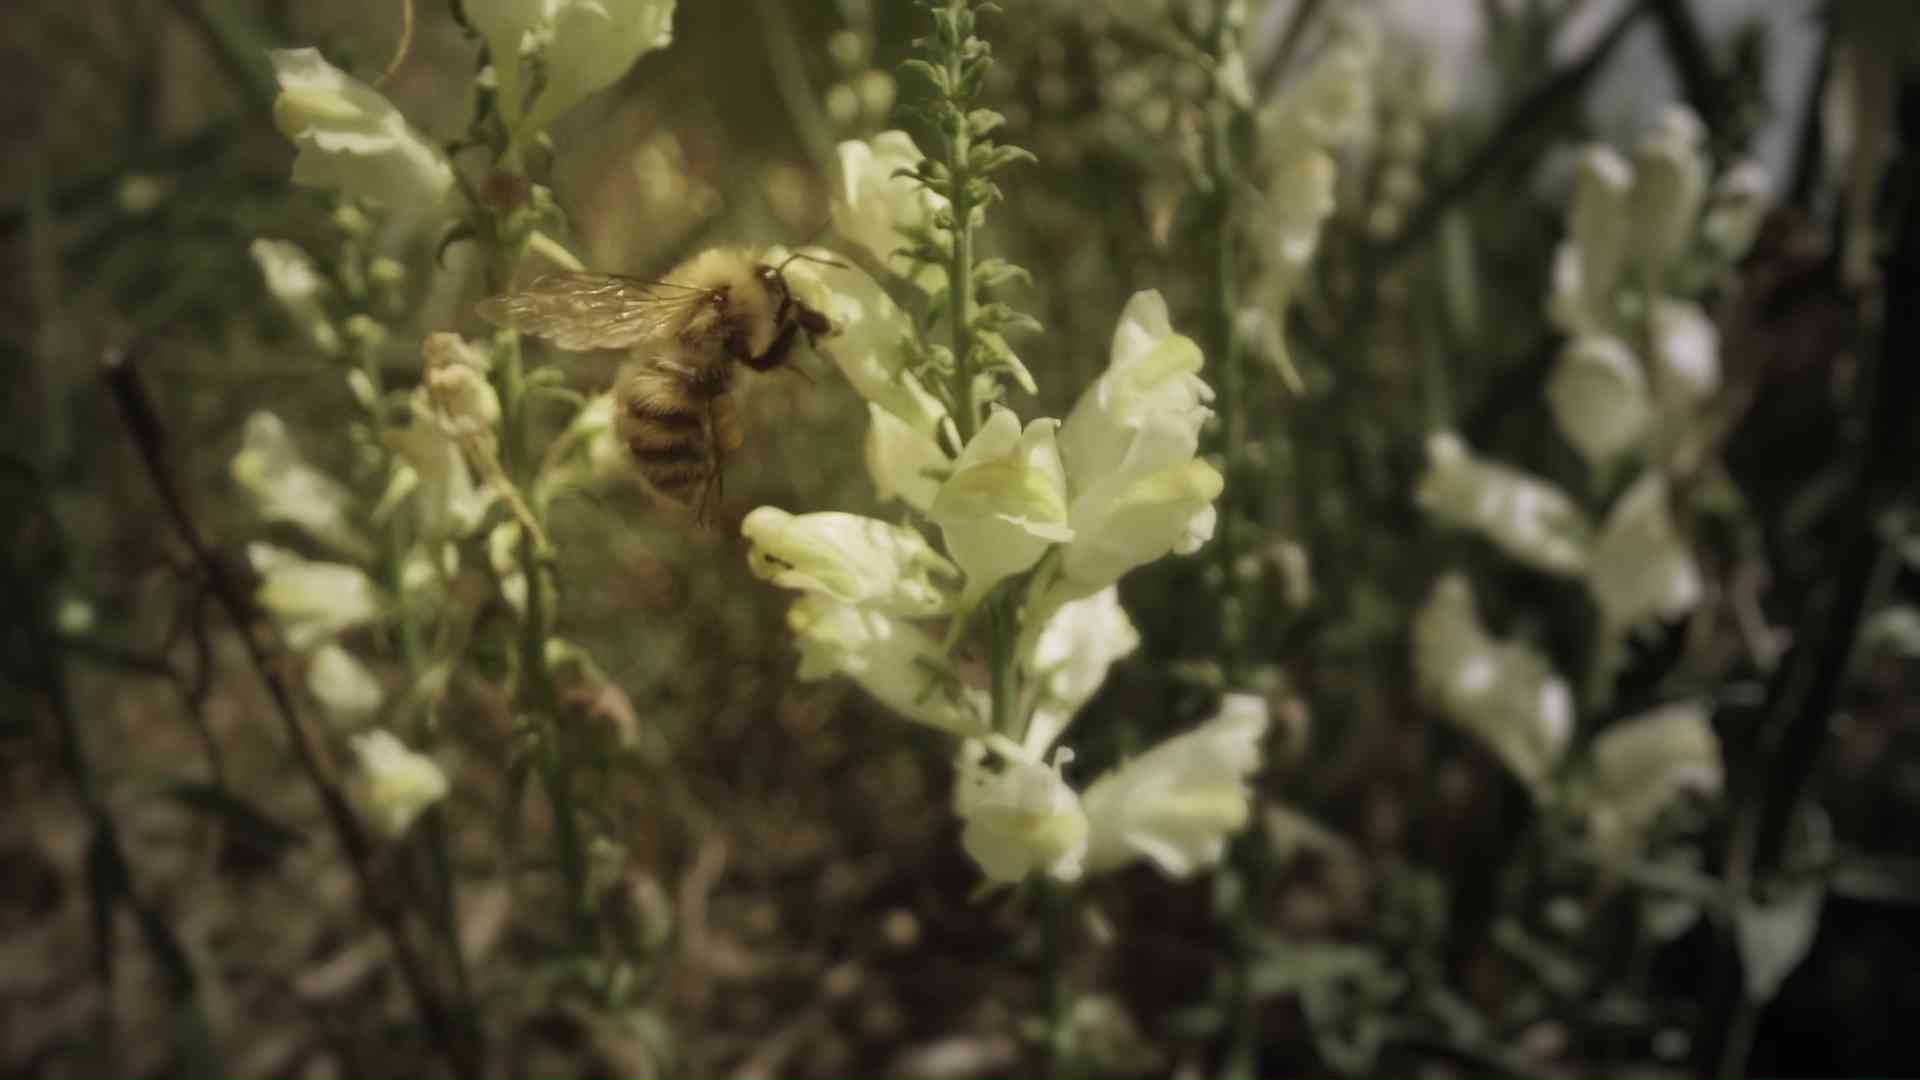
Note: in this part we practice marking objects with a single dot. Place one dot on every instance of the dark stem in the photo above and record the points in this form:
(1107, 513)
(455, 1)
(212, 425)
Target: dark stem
(149, 439)
(1531, 115)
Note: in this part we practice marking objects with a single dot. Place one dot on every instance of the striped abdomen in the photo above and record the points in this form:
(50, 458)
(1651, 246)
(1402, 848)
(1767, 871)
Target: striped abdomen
(677, 423)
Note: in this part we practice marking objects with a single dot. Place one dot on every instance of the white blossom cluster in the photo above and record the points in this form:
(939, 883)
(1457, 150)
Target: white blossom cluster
(1640, 369)
(364, 566)
(1058, 511)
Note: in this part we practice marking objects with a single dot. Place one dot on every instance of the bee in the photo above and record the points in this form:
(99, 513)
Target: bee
(674, 408)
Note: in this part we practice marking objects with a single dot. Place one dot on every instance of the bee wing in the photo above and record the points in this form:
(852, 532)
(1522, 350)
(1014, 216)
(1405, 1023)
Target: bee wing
(593, 311)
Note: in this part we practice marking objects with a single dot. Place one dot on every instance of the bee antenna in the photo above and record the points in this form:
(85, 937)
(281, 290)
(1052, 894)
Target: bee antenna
(812, 259)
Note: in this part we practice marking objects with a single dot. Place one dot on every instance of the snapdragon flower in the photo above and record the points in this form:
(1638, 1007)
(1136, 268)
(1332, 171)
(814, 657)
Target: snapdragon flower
(1669, 186)
(1176, 804)
(1071, 655)
(1526, 517)
(853, 559)
(448, 503)
(1019, 818)
(1005, 503)
(1600, 398)
(1129, 446)
(900, 665)
(311, 601)
(353, 140)
(393, 785)
(343, 686)
(296, 285)
(583, 46)
(1505, 693)
(284, 487)
(874, 205)
(1685, 353)
(1642, 764)
(459, 397)
(1641, 569)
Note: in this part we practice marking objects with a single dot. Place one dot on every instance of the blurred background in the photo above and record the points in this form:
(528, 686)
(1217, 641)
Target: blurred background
(776, 861)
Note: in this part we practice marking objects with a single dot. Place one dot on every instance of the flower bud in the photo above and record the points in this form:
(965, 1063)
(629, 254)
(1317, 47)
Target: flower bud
(463, 402)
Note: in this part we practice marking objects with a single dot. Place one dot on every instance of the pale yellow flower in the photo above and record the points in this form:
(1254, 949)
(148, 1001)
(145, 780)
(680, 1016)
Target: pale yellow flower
(393, 785)
(1176, 804)
(853, 559)
(353, 140)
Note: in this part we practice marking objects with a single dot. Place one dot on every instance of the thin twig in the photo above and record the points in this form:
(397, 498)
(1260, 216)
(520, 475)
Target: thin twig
(1529, 116)
(404, 46)
(143, 425)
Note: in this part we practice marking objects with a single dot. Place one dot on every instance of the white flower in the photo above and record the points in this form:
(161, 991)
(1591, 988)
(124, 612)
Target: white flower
(352, 139)
(1005, 503)
(1588, 266)
(873, 205)
(1330, 104)
(311, 601)
(295, 283)
(853, 559)
(284, 487)
(1129, 445)
(1176, 804)
(1641, 568)
(1686, 353)
(1299, 199)
(462, 401)
(899, 665)
(1071, 656)
(1670, 182)
(903, 463)
(393, 784)
(447, 503)
(1019, 819)
(1505, 693)
(1642, 764)
(1739, 205)
(503, 554)
(1526, 517)
(343, 685)
(583, 46)
(869, 331)
(1599, 398)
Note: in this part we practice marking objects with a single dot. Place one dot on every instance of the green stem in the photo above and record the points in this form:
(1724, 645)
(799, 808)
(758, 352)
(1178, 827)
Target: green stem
(540, 698)
(960, 268)
(1231, 388)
